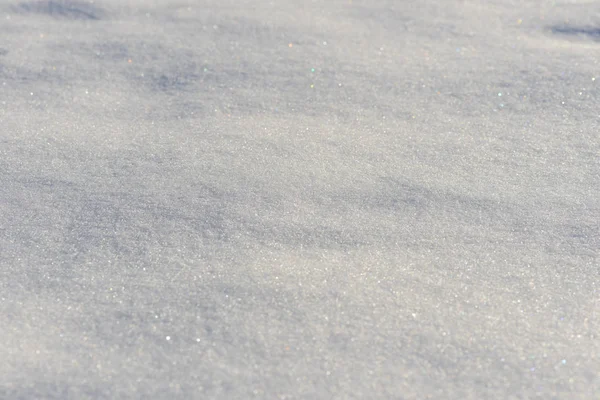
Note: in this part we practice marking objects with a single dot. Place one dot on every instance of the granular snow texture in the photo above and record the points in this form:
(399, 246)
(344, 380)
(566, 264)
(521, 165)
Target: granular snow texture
(327, 199)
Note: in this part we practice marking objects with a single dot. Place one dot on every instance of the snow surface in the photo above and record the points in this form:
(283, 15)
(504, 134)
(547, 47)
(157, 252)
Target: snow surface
(286, 199)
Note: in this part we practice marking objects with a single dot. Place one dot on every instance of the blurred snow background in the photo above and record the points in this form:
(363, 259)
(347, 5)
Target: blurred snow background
(299, 199)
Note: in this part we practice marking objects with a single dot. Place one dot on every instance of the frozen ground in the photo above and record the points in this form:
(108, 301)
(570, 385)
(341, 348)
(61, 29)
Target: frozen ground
(299, 199)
